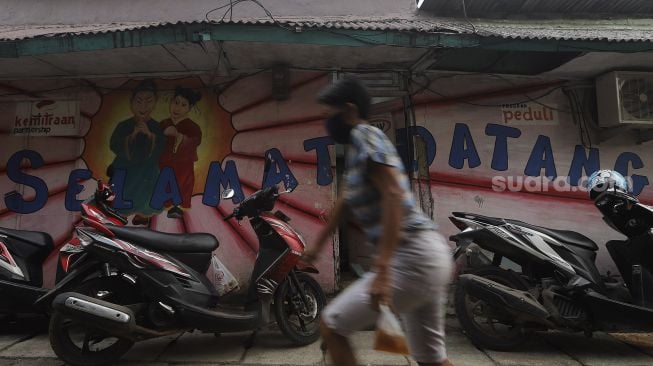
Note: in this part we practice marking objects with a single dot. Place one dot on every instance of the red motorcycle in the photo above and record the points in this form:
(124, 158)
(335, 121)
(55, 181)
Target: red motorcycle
(152, 284)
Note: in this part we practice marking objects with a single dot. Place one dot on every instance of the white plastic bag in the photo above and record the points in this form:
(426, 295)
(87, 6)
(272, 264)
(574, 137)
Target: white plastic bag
(389, 335)
(223, 280)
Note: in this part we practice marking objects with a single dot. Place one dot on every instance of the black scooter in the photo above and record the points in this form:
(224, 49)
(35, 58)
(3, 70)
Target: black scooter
(129, 284)
(22, 254)
(521, 277)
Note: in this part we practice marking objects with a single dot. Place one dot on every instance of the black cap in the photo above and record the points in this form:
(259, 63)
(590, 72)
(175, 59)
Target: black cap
(347, 90)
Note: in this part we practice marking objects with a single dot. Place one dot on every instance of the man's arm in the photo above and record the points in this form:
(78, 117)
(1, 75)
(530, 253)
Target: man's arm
(387, 181)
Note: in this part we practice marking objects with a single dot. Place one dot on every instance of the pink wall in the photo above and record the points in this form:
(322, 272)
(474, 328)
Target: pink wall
(470, 189)
(248, 123)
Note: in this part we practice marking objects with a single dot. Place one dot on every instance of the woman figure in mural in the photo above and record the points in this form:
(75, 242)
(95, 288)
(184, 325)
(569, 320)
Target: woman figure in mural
(413, 264)
(183, 136)
(137, 143)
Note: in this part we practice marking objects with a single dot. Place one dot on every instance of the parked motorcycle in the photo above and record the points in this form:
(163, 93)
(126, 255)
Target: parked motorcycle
(521, 277)
(23, 253)
(152, 284)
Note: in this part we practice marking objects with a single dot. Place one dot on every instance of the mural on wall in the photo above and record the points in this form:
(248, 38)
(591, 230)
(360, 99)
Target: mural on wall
(521, 160)
(163, 131)
(170, 147)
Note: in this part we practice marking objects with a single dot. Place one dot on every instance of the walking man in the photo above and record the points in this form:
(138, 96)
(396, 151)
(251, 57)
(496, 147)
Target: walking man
(412, 269)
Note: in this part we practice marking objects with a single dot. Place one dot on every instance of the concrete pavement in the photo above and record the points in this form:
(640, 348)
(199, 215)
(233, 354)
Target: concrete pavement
(20, 348)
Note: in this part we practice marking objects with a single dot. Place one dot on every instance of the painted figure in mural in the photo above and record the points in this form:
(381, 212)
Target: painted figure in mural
(138, 143)
(183, 136)
(413, 264)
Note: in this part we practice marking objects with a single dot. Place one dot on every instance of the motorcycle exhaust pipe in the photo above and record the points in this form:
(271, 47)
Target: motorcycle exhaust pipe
(98, 310)
(517, 303)
(113, 318)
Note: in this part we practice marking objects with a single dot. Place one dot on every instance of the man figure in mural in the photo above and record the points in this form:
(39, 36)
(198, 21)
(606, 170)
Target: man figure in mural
(137, 143)
(183, 136)
(412, 269)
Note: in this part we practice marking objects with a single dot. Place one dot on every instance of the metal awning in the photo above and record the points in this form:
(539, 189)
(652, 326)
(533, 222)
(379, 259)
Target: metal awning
(620, 30)
(222, 49)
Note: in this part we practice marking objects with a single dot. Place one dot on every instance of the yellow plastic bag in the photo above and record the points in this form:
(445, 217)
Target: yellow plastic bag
(389, 335)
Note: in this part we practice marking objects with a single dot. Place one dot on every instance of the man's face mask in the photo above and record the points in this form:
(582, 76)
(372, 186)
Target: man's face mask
(338, 129)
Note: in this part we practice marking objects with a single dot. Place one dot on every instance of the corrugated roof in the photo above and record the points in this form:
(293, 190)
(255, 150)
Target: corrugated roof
(626, 30)
(609, 34)
(485, 8)
(18, 32)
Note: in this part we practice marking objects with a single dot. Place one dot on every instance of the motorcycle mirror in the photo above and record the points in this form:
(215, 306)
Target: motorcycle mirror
(228, 194)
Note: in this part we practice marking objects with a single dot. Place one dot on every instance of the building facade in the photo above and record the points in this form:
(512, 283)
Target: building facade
(494, 117)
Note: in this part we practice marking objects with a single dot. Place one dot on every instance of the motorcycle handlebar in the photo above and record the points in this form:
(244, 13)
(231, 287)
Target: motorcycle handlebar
(252, 204)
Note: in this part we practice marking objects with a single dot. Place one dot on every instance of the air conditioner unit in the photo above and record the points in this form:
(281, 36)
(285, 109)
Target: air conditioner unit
(625, 98)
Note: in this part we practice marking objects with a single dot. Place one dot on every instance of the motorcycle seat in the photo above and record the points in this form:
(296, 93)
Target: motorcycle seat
(36, 238)
(565, 236)
(174, 243)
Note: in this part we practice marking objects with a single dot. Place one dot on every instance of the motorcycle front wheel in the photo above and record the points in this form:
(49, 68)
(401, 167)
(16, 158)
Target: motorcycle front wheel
(299, 320)
(80, 344)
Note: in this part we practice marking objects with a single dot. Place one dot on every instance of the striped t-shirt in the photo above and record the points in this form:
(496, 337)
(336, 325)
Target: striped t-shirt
(368, 143)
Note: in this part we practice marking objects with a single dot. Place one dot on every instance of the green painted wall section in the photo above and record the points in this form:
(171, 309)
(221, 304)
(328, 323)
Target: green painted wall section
(274, 34)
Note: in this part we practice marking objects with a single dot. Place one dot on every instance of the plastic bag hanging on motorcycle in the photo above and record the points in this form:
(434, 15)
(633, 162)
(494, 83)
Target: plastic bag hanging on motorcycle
(223, 280)
(389, 336)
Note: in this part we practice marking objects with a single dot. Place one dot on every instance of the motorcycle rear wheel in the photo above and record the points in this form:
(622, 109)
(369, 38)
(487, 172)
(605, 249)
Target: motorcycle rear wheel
(298, 320)
(487, 334)
(66, 334)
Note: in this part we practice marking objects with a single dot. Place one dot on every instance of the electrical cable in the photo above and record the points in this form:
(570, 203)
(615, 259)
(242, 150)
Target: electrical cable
(582, 108)
(120, 88)
(426, 86)
(411, 80)
(578, 117)
(226, 12)
(526, 95)
(574, 116)
(233, 3)
(423, 191)
(216, 69)
(467, 19)
(230, 5)
(359, 38)
(459, 99)
(587, 112)
(586, 139)
(239, 77)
